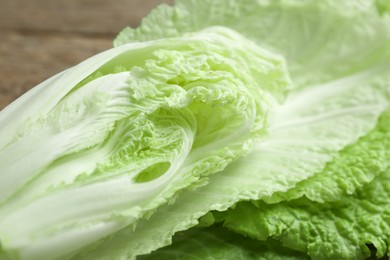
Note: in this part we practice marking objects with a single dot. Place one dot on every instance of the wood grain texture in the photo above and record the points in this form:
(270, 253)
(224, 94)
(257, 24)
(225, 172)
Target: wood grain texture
(40, 38)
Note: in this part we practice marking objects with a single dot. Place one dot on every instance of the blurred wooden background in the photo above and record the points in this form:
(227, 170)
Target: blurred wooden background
(39, 38)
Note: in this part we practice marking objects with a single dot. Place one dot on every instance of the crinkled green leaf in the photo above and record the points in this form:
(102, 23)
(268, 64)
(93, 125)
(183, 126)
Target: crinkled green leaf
(343, 229)
(219, 243)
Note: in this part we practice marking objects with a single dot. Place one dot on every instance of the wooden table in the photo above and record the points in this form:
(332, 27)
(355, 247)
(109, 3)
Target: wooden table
(39, 38)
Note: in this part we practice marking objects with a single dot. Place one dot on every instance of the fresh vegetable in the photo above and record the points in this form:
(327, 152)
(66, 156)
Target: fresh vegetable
(267, 119)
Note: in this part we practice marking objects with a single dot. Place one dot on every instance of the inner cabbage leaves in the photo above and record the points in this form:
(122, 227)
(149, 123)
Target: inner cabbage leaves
(149, 121)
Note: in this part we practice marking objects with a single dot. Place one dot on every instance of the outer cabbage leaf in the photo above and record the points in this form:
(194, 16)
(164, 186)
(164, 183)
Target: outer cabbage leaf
(355, 166)
(219, 243)
(344, 229)
(321, 40)
(122, 139)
